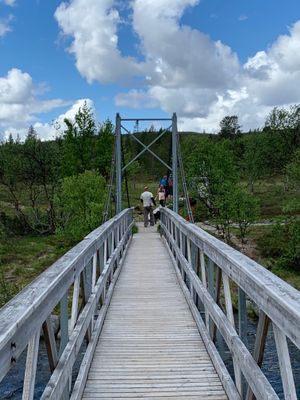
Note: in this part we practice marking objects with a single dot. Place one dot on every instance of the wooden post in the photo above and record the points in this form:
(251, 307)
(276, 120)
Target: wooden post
(31, 364)
(211, 289)
(284, 364)
(50, 343)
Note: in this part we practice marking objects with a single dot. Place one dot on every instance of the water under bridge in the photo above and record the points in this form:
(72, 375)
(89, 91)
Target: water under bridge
(151, 315)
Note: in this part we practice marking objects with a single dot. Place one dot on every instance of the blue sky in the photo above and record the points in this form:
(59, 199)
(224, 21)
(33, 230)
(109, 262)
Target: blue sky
(202, 59)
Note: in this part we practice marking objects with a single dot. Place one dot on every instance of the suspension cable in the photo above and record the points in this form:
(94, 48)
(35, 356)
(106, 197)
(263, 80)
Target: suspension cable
(125, 173)
(184, 185)
(110, 185)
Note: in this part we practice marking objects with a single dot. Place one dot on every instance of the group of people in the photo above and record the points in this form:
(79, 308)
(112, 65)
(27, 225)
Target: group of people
(165, 190)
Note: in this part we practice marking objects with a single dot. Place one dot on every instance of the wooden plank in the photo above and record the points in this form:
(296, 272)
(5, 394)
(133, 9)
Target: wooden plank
(30, 308)
(31, 364)
(254, 376)
(259, 347)
(59, 378)
(86, 362)
(75, 301)
(150, 345)
(229, 312)
(285, 364)
(50, 343)
(276, 298)
(223, 374)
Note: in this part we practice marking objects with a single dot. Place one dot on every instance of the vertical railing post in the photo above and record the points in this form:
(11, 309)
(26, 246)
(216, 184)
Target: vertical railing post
(211, 289)
(242, 314)
(174, 163)
(118, 164)
(31, 365)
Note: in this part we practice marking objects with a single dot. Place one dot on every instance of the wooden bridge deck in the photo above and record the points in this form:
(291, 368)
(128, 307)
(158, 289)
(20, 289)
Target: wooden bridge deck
(150, 346)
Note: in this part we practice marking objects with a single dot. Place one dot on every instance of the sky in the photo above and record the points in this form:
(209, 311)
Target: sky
(203, 59)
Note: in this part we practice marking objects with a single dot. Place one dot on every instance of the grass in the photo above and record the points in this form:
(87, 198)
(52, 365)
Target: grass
(273, 196)
(28, 257)
(292, 277)
(22, 258)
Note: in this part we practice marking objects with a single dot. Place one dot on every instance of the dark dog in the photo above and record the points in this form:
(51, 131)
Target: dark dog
(156, 214)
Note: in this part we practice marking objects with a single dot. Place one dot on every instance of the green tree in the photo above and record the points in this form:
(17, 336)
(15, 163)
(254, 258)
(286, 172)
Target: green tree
(283, 242)
(213, 176)
(104, 149)
(79, 142)
(285, 122)
(245, 211)
(79, 204)
(253, 162)
(230, 128)
(29, 173)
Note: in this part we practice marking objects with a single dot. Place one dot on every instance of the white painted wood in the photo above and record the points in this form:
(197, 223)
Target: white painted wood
(150, 345)
(31, 364)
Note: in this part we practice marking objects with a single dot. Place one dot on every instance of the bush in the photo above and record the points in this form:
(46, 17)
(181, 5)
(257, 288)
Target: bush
(283, 244)
(79, 204)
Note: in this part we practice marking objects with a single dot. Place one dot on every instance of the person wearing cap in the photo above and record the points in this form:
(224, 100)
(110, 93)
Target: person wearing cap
(147, 199)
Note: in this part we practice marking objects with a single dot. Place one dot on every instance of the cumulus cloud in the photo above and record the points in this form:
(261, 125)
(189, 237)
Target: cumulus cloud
(179, 68)
(19, 104)
(49, 131)
(273, 75)
(93, 28)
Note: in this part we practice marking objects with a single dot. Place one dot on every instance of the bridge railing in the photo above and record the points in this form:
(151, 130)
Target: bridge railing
(210, 273)
(77, 289)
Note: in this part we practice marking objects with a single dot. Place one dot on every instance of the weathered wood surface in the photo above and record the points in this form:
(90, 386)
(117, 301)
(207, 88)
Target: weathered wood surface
(271, 294)
(150, 346)
(277, 300)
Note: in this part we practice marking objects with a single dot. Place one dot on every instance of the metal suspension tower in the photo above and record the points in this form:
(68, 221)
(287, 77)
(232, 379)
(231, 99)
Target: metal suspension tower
(173, 168)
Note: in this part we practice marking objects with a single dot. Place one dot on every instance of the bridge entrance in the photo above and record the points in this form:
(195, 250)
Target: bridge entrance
(173, 168)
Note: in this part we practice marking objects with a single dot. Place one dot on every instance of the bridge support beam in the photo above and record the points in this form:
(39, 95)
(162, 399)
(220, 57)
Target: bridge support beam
(175, 163)
(118, 165)
(118, 155)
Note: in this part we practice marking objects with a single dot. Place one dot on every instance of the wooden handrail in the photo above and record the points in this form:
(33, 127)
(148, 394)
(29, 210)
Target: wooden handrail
(204, 262)
(92, 264)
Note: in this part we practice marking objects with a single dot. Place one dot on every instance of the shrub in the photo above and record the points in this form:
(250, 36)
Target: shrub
(283, 243)
(79, 204)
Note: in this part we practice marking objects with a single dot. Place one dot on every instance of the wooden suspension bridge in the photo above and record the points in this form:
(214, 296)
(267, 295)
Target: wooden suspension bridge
(150, 308)
(151, 315)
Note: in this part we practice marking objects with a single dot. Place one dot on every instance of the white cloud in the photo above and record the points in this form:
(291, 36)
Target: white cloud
(9, 2)
(92, 24)
(19, 104)
(5, 25)
(274, 75)
(242, 17)
(47, 131)
(181, 69)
